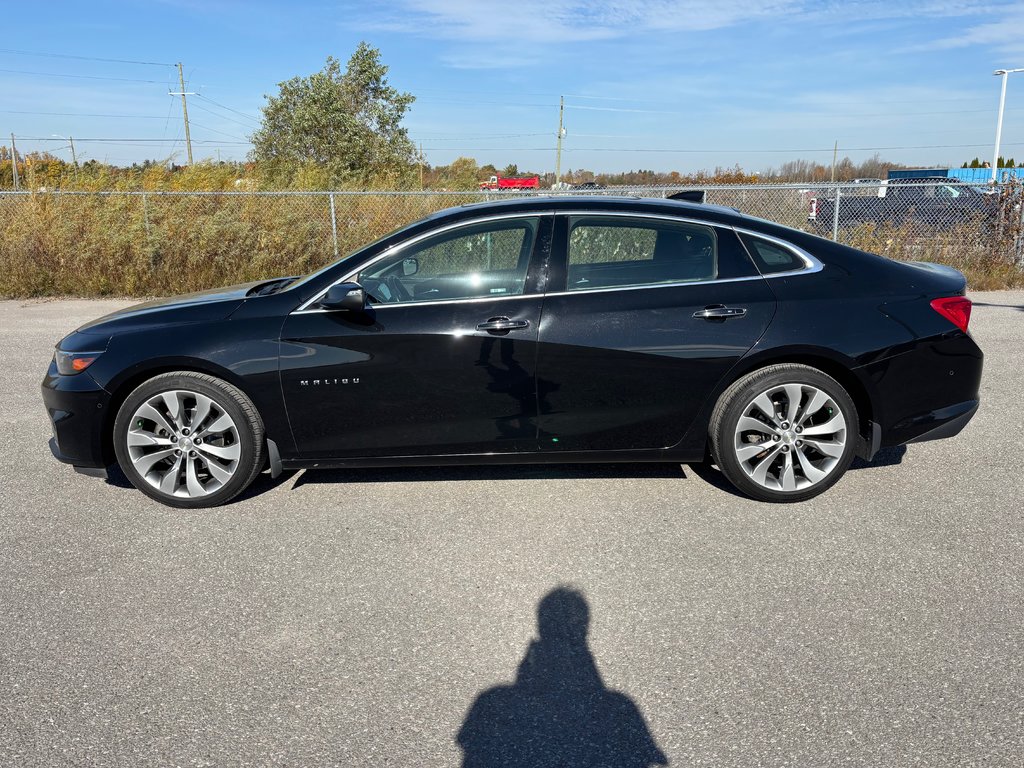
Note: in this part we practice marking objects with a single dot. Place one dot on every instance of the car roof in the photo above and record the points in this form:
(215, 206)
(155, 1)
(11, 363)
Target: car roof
(595, 203)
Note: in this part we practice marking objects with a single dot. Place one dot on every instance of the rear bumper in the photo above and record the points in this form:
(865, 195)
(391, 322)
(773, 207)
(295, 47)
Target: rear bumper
(946, 422)
(927, 393)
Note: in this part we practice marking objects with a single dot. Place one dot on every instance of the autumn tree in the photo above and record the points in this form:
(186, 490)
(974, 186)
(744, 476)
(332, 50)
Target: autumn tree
(337, 127)
(463, 173)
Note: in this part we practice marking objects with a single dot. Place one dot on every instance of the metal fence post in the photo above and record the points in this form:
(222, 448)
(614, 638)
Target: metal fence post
(145, 214)
(835, 216)
(1017, 191)
(334, 224)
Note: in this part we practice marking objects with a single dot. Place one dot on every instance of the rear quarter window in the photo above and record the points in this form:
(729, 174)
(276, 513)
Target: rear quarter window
(771, 258)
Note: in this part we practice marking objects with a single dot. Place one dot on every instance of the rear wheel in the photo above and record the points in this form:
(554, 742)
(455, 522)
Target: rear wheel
(784, 433)
(189, 440)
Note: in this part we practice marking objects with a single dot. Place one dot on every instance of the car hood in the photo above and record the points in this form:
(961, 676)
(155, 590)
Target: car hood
(204, 306)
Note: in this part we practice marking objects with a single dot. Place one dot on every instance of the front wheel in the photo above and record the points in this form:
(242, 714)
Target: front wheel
(189, 440)
(784, 433)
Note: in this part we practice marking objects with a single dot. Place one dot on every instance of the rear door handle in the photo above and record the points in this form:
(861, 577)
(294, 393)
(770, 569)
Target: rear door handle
(718, 310)
(503, 324)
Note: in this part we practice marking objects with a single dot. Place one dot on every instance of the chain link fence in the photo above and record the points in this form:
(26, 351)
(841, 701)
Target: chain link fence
(162, 243)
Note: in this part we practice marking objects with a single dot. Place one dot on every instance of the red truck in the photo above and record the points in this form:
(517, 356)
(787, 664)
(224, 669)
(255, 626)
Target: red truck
(511, 182)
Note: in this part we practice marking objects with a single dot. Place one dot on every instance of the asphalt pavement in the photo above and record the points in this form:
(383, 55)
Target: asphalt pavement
(390, 617)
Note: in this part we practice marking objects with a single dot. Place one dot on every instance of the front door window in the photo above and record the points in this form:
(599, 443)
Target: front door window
(481, 260)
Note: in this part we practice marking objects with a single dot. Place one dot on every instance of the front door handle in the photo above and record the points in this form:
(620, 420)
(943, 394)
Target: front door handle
(503, 324)
(718, 310)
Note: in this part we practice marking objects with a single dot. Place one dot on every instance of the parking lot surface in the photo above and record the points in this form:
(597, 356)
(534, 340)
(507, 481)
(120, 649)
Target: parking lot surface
(390, 617)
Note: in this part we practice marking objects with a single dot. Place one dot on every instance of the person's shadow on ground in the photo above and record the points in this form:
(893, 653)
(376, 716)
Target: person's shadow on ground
(558, 712)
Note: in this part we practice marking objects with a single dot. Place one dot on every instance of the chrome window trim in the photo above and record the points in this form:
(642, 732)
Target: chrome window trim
(650, 286)
(811, 264)
(305, 310)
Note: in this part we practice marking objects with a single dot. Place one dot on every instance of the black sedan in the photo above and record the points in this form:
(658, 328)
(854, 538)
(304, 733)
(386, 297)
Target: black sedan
(530, 331)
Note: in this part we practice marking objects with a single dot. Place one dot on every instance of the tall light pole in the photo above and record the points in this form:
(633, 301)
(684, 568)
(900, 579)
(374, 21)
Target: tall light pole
(999, 120)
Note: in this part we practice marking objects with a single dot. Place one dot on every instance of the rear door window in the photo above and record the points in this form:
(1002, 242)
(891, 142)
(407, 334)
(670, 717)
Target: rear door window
(608, 252)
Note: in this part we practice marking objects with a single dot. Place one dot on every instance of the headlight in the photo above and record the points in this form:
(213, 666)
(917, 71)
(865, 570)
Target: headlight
(70, 363)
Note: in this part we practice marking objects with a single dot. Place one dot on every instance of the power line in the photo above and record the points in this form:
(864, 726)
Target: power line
(707, 150)
(823, 112)
(84, 58)
(82, 77)
(76, 114)
(214, 130)
(103, 139)
(825, 149)
(229, 109)
(220, 116)
(484, 136)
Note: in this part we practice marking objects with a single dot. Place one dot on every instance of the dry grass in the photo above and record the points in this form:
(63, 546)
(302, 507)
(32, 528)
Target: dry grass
(984, 253)
(126, 245)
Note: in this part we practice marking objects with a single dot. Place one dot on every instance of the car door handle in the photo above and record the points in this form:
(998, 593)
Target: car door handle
(503, 324)
(718, 310)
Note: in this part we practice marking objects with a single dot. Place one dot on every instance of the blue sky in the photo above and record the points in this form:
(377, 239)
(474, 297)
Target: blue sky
(647, 83)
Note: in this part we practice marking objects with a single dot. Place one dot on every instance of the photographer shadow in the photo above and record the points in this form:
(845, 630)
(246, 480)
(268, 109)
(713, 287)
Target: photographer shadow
(558, 712)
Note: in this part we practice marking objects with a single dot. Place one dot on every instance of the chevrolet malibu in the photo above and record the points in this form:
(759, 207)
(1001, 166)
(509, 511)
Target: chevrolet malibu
(530, 331)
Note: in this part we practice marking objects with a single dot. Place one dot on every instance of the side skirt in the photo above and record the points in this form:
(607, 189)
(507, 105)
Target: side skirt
(566, 457)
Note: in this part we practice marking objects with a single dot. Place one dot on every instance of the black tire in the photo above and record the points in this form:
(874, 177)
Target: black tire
(246, 436)
(727, 438)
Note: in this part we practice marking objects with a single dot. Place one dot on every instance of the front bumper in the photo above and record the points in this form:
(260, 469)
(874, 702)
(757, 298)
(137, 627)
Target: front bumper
(100, 472)
(78, 410)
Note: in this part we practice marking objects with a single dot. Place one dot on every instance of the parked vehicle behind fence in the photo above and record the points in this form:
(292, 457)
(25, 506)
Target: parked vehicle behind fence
(923, 201)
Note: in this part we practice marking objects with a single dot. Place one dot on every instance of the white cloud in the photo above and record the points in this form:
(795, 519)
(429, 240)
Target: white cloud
(496, 34)
(1003, 35)
(509, 24)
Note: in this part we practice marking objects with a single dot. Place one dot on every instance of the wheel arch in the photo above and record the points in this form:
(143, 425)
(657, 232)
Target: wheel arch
(839, 367)
(121, 387)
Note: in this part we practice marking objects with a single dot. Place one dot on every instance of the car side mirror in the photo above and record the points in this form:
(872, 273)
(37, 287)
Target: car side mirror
(410, 266)
(350, 296)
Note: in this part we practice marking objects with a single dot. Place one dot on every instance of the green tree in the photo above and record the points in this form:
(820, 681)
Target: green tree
(463, 173)
(337, 128)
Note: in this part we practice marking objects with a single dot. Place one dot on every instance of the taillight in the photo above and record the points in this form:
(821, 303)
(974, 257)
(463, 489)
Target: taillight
(956, 309)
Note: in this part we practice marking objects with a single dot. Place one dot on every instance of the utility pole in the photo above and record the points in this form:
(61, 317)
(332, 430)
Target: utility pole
(421, 166)
(184, 109)
(14, 162)
(74, 157)
(835, 153)
(561, 133)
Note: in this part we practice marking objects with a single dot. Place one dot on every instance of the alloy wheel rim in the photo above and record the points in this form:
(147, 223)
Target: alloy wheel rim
(183, 443)
(790, 437)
